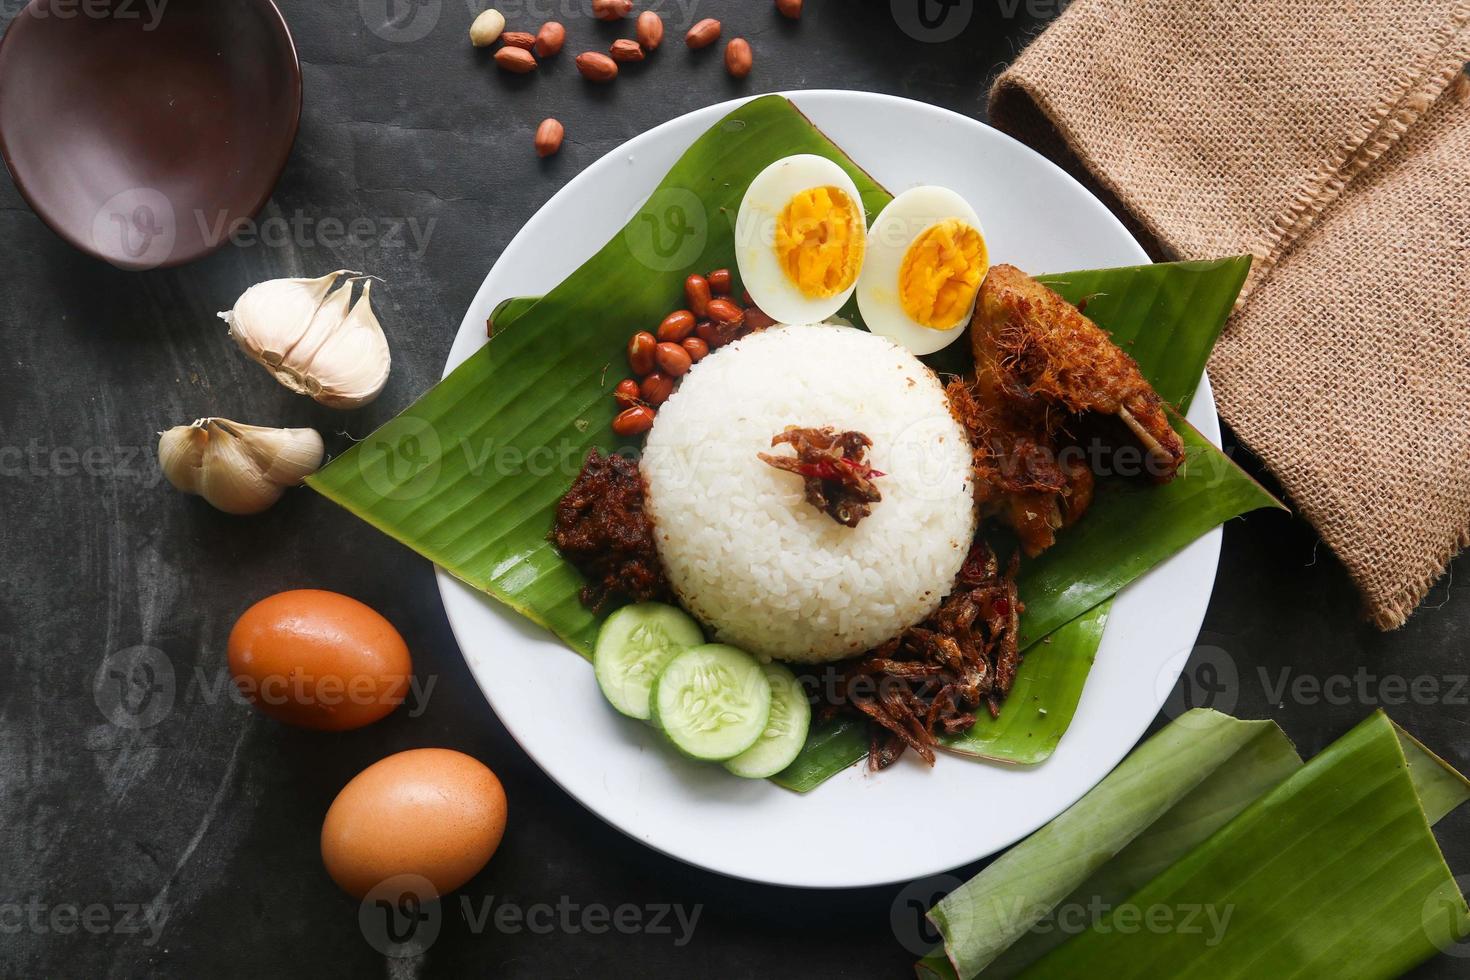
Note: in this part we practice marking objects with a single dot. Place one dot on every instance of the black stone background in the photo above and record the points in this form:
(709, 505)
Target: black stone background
(213, 813)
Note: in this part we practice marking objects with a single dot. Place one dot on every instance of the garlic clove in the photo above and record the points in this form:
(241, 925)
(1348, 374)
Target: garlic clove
(181, 455)
(286, 456)
(270, 318)
(238, 468)
(231, 480)
(312, 339)
(358, 367)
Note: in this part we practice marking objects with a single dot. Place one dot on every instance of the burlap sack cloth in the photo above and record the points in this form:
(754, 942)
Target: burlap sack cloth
(1332, 141)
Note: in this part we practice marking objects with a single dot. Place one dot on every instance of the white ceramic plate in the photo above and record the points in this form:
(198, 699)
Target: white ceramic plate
(1036, 217)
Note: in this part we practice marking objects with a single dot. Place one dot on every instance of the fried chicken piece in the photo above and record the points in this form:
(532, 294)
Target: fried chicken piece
(1026, 336)
(1042, 369)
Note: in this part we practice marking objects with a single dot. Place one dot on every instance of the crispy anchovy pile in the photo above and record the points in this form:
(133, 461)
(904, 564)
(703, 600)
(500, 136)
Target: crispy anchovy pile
(602, 529)
(931, 679)
(834, 472)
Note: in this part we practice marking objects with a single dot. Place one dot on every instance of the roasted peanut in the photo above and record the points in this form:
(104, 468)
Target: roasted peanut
(633, 421)
(789, 8)
(517, 60)
(650, 30)
(695, 348)
(596, 66)
(625, 50)
(706, 331)
(676, 326)
(703, 34)
(640, 352)
(486, 28)
(724, 311)
(627, 393)
(696, 290)
(738, 58)
(672, 359)
(550, 38)
(611, 9)
(656, 388)
(518, 39)
(756, 318)
(719, 282)
(548, 137)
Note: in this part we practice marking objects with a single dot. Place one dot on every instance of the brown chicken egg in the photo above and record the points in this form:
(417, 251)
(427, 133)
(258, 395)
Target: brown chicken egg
(433, 813)
(319, 659)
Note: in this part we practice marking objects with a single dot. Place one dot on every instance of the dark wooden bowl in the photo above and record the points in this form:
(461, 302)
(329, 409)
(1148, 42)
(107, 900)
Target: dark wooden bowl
(143, 133)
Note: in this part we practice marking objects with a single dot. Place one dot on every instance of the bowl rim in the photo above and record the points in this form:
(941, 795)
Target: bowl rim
(178, 257)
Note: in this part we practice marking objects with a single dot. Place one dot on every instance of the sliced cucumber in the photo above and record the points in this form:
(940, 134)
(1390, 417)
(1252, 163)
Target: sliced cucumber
(712, 702)
(635, 644)
(785, 731)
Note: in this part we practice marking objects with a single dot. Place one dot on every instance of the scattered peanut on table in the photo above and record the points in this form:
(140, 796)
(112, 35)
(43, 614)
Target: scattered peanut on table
(596, 66)
(611, 9)
(486, 28)
(738, 57)
(650, 30)
(548, 137)
(626, 50)
(703, 34)
(550, 38)
(520, 49)
(516, 60)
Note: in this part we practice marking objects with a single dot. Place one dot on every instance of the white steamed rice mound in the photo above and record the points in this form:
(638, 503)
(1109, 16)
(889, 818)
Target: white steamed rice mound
(747, 555)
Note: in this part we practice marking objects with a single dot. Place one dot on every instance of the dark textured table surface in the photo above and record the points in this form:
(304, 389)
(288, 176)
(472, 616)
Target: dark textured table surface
(188, 846)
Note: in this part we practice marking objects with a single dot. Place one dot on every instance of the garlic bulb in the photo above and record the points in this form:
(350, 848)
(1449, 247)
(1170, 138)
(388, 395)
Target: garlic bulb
(238, 468)
(312, 339)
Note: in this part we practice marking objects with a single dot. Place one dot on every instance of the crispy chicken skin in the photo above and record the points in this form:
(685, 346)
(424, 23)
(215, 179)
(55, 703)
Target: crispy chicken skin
(1041, 368)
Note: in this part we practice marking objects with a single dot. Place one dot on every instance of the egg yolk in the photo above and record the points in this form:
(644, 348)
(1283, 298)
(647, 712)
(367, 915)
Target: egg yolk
(820, 240)
(941, 273)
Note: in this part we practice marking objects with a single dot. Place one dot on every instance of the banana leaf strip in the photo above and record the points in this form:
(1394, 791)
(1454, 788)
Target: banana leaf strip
(1283, 869)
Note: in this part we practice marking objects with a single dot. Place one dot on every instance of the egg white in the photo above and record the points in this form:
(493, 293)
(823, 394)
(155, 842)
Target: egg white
(895, 229)
(755, 237)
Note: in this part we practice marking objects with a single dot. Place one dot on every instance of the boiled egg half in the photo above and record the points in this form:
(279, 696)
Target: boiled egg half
(926, 258)
(800, 238)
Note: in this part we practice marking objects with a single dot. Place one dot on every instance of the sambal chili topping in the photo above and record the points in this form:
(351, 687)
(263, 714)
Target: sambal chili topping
(602, 529)
(933, 678)
(835, 474)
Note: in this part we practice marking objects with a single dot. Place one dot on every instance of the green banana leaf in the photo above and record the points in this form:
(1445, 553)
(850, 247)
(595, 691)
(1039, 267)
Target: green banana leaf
(1308, 870)
(470, 473)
